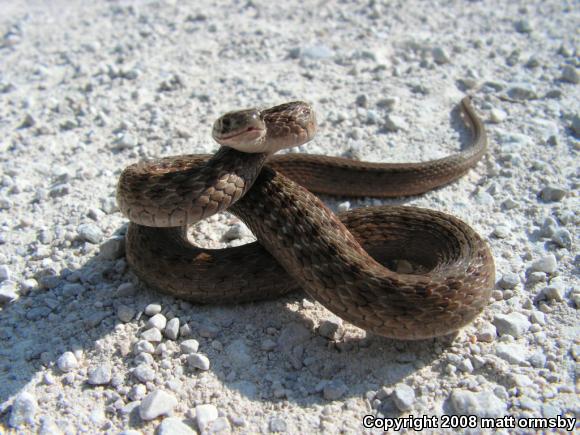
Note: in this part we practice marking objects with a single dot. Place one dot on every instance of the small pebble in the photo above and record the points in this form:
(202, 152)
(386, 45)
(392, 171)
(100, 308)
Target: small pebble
(466, 366)
(126, 141)
(100, 375)
(152, 309)
(553, 193)
(138, 392)
(237, 231)
(268, 344)
(549, 227)
(96, 214)
(487, 333)
(143, 346)
(334, 390)
(532, 62)
(372, 117)
(67, 362)
(172, 329)
(237, 420)
(509, 280)
(497, 295)
(205, 415)
(144, 373)
(467, 83)
(523, 26)
(162, 350)
(514, 324)
(72, 290)
(158, 321)
(90, 233)
(404, 397)
(208, 330)
(189, 346)
(198, 361)
(28, 121)
(362, 101)
(125, 313)
(576, 299)
(59, 191)
(522, 92)
(126, 289)
(440, 56)
(109, 205)
(174, 426)
(317, 52)
(546, 264)
(113, 248)
(8, 292)
(537, 317)
(5, 203)
(221, 425)
(277, 425)
(501, 231)
(538, 359)
(554, 93)
(156, 404)
(554, 293)
(388, 103)
(395, 123)
(152, 334)
(484, 198)
(128, 409)
(562, 238)
(512, 353)
(23, 410)
(535, 277)
(575, 126)
(331, 329)
(482, 404)
(4, 273)
(238, 353)
(570, 75)
(30, 284)
(185, 330)
(497, 116)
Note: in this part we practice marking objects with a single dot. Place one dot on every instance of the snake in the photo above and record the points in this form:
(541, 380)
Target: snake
(346, 261)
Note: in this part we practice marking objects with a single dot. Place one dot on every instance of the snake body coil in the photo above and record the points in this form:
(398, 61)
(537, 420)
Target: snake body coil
(337, 260)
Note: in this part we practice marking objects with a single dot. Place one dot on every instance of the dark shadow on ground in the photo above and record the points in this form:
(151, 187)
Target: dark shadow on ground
(79, 311)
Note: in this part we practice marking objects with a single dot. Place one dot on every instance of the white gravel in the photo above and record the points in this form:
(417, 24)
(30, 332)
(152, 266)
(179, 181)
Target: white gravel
(88, 87)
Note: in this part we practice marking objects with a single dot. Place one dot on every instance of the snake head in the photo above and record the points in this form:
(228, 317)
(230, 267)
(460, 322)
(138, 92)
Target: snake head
(244, 130)
(266, 131)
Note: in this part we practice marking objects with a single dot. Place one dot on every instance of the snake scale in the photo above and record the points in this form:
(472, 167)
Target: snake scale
(339, 260)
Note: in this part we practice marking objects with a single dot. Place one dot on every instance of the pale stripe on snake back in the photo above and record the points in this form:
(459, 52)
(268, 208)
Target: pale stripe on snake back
(301, 243)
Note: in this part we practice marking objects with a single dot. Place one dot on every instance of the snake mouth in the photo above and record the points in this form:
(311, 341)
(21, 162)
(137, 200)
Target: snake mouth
(242, 132)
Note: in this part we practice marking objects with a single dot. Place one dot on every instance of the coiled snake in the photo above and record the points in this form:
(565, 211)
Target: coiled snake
(336, 259)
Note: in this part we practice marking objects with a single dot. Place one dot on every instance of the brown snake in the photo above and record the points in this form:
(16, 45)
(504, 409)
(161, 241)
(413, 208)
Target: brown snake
(301, 243)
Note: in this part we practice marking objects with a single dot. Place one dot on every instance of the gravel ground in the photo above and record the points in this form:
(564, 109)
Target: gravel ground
(88, 87)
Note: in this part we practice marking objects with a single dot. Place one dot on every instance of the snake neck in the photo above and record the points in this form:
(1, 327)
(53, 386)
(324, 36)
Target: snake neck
(198, 187)
(227, 176)
(244, 165)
